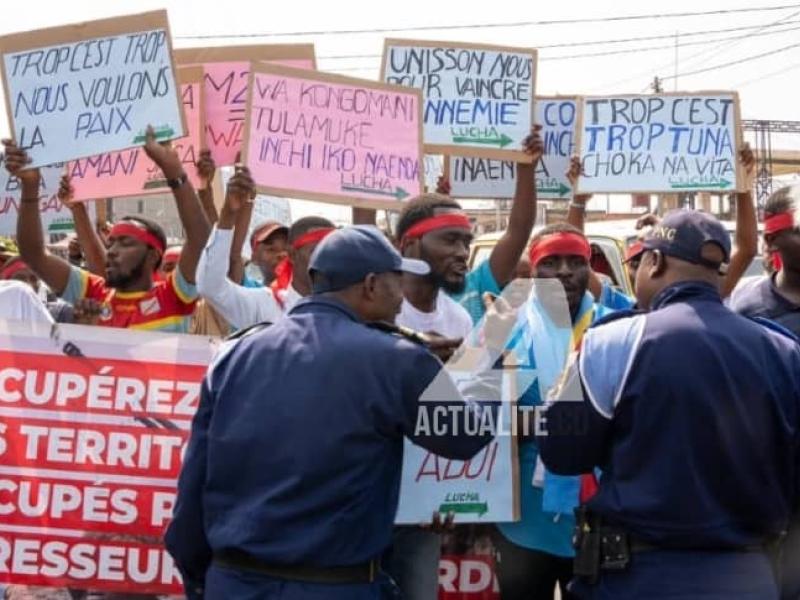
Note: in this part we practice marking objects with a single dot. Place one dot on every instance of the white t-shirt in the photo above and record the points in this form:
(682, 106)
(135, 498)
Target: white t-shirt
(18, 302)
(449, 319)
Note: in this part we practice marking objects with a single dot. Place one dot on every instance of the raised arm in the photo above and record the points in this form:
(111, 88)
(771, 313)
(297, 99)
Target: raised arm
(91, 244)
(190, 211)
(506, 253)
(576, 215)
(54, 271)
(206, 169)
(238, 305)
(745, 245)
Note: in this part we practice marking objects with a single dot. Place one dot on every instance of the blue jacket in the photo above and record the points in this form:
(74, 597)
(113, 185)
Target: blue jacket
(296, 449)
(693, 414)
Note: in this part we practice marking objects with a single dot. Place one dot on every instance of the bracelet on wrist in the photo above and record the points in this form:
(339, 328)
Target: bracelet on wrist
(30, 199)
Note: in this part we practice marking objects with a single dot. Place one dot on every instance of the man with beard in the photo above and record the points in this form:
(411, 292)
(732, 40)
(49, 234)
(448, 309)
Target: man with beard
(245, 306)
(433, 228)
(127, 296)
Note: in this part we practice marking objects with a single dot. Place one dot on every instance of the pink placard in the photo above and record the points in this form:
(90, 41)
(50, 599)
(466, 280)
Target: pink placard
(226, 98)
(131, 172)
(334, 139)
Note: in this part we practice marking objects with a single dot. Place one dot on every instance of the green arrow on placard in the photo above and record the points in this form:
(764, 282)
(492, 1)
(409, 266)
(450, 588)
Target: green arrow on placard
(162, 133)
(721, 184)
(502, 140)
(479, 508)
(398, 193)
(560, 190)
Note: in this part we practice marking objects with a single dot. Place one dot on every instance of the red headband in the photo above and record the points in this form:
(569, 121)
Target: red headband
(14, 266)
(564, 242)
(634, 249)
(128, 229)
(173, 254)
(311, 237)
(284, 272)
(434, 223)
(779, 222)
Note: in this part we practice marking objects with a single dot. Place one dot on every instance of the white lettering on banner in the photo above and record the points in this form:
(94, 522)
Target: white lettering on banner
(114, 449)
(102, 391)
(42, 499)
(83, 561)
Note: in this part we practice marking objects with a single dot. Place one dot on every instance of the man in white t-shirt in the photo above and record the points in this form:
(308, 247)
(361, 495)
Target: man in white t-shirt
(414, 558)
(18, 302)
(245, 306)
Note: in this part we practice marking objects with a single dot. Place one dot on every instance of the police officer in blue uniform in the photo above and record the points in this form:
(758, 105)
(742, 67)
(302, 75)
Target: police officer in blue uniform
(290, 481)
(692, 413)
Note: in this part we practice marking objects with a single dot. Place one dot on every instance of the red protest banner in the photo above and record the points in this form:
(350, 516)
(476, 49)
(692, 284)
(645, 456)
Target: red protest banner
(467, 577)
(93, 427)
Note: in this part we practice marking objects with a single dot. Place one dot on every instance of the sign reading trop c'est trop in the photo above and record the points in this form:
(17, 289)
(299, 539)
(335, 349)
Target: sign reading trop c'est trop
(227, 71)
(131, 172)
(665, 143)
(472, 177)
(478, 98)
(89, 88)
(337, 139)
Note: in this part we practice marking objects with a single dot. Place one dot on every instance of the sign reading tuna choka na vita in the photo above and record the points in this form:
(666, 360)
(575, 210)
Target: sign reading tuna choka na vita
(666, 143)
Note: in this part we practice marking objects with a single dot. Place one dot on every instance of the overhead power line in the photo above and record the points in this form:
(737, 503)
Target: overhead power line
(492, 25)
(735, 62)
(670, 36)
(601, 54)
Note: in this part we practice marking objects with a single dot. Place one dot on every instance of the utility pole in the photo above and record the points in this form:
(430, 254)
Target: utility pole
(657, 85)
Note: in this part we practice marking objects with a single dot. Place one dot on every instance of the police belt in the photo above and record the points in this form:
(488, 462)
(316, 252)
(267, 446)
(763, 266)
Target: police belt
(363, 573)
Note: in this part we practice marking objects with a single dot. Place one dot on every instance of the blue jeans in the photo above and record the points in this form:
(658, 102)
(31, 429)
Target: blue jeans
(413, 562)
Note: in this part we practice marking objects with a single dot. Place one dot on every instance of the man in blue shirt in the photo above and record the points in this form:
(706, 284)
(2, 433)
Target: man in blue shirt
(692, 413)
(290, 482)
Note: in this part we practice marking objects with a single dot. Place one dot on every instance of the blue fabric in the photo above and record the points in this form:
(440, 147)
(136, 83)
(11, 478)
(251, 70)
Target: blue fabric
(547, 520)
(478, 281)
(296, 449)
(703, 448)
(613, 298)
(608, 353)
(250, 283)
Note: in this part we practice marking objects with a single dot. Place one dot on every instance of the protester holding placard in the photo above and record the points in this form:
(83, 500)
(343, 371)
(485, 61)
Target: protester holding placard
(493, 274)
(128, 294)
(245, 306)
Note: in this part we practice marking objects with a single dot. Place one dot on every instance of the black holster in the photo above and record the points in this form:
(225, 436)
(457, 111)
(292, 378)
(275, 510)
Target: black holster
(598, 547)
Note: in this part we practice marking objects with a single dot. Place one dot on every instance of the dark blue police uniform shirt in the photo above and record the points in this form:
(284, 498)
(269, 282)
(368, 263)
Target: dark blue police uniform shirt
(760, 298)
(692, 413)
(296, 450)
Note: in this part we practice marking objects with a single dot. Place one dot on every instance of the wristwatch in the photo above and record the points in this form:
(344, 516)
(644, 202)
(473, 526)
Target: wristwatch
(178, 181)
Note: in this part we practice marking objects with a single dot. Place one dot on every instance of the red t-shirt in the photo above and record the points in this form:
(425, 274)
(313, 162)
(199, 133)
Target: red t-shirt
(167, 306)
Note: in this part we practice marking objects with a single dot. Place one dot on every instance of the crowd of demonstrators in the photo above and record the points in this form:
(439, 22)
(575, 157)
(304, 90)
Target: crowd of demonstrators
(317, 286)
(127, 295)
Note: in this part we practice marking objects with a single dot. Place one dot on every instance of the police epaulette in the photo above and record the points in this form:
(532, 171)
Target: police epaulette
(399, 330)
(620, 314)
(243, 333)
(776, 327)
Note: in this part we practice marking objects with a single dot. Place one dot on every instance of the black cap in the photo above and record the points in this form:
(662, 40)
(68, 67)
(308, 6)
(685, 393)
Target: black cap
(346, 256)
(683, 233)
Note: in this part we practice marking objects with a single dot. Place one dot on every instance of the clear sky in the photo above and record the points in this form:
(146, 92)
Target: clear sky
(768, 86)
